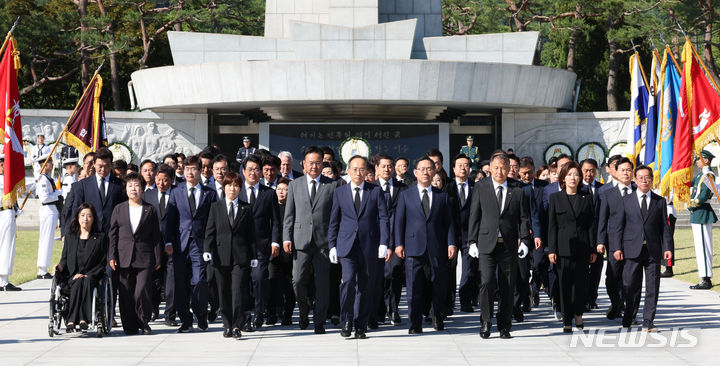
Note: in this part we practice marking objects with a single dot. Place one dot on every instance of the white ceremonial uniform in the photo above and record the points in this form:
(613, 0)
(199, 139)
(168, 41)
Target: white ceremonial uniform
(36, 153)
(49, 216)
(67, 182)
(8, 228)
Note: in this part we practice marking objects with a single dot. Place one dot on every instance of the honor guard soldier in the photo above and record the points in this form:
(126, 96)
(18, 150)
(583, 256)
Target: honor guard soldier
(245, 151)
(471, 151)
(702, 217)
(49, 216)
(38, 153)
(8, 228)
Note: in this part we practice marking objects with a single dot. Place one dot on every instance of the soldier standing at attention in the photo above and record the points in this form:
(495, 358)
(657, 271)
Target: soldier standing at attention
(471, 152)
(702, 217)
(245, 150)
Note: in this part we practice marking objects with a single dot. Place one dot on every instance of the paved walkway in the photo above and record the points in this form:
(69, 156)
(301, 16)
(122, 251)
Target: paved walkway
(538, 340)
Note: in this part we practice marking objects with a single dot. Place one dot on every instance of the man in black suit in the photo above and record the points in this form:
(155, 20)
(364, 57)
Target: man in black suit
(536, 259)
(270, 171)
(642, 249)
(185, 222)
(394, 269)
(286, 166)
(268, 234)
(424, 232)
(589, 170)
(158, 198)
(499, 226)
(460, 191)
(611, 208)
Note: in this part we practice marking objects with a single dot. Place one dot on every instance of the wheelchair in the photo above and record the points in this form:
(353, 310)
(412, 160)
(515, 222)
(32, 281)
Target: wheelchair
(102, 307)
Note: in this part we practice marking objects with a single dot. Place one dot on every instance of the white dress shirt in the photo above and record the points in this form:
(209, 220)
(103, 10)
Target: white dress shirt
(621, 186)
(640, 199)
(198, 191)
(248, 192)
(352, 190)
(383, 182)
(98, 178)
(219, 188)
(464, 188)
(167, 197)
(429, 193)
(46, 190)
(504, 193)
(135, 215)
(309, 184)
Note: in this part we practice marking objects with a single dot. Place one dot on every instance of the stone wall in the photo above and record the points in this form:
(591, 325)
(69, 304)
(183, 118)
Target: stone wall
(148, 135)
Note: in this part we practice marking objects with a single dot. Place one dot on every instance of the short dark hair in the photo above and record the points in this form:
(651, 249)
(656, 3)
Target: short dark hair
(424, 158)
(623, 160)
(514, 157)
(103, 153)
(283, 180)
(460, 156)
(212, 150)
(75, 223)
(484, 162)
(206, 154)
(564, 156)
(219, 159)
(403, 159)
(148, 161)
(611, 160)
(329, 151)
(382, 156)
(434, 152)
(272, 160)
(120, 164)
(232, 178)
(133, 167)
(170, 156)
(526, 162)
(312, 150)
(252, 159)
(194, 160)
(134, 176)
(180, 155)
(643, 167)
(590, 161)
(564, 171)
(167, 170)
(90, 154)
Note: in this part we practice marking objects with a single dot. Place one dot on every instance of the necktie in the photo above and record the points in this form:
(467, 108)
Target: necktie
(231, 214)
(313, 190)
(462, 194)
(222, 193)
(162, 204)
(191, 201)
(426, 202)
(644, 207)
(499, 197)
(357, 200)
(252, 196)
(625, 191)
(102, 190)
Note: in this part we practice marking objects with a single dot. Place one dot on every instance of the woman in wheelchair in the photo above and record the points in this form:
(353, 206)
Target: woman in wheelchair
(82, 265)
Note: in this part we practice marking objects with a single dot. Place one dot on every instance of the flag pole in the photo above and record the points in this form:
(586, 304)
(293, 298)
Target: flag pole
(62, 133)
(700, 61)
(7, 37)
(637, 59)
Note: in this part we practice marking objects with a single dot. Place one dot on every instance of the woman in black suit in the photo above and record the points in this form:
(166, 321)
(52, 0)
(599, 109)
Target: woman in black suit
(230, 244)
(83, 261)
(135, 252)
(571, 242)
(282, 297)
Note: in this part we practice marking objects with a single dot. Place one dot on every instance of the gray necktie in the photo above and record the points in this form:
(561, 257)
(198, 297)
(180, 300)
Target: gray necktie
(625, 191)
(462, 194)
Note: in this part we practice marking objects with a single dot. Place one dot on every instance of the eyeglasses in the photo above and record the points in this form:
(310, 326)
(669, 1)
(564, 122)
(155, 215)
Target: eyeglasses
(423, 170)
(314, 163)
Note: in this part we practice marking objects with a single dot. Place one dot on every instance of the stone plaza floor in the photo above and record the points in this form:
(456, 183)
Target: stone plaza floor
(689, 323)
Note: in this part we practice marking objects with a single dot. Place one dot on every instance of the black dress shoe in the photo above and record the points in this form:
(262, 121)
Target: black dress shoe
(526, 308)
(258, 323)
(360, 334)
(146, 330)
(518, 315)
(704, 284)
(612, 312)
(485, 330)
(373, 324)
(10, 287)
(346, 330)
(202, 324)
(247, 326)
(271, 320)
(567, 329)
(227, 333)
(83, 325)
(438, 323)
(46, 276)
(185, 329)
(286, 321)
(335, 320)
(236, 333)
(466, 309)
(395, 318)
(319, 329)
(170, 323)
(649, 326)
(303, 323)
(415, 330)
(505, 334)
(212, 315)
(667, 273)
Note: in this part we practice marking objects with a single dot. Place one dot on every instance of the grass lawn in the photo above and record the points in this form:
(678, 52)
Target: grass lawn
(685, 266)
(25, 268)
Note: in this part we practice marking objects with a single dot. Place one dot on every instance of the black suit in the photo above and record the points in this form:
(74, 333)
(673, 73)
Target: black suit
(496, 234)
(282, 296)
(163, 278)
(594, 269)
(232, 245)
(571, 235)
(88, 258)
(136, 254)
(469, 281)
(268, 230)
(642, 249)
(395, 267)
(538, 218)
(87, 190)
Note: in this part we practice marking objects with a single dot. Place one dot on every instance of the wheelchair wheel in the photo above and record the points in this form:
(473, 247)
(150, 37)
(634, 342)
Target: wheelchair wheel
(55, 320)
(107, 309)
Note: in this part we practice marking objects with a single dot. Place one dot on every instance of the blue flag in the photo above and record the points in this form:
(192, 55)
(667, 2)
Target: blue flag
(638, 109)
(668, 105)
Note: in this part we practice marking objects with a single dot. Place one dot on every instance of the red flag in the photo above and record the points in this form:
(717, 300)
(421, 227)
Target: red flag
(704, 107)
(14, 175)
(682, 168)
(86, 127)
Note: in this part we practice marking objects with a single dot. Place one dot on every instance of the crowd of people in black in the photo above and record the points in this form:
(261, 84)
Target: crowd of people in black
(246, 238)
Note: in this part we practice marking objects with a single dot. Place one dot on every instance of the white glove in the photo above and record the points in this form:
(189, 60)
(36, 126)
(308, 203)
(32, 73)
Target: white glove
(382, 251)
(706, 170)
(18, 213)
(522, 250)
(207, 257)
(253, 263)
(333, 255)
(473, 251)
